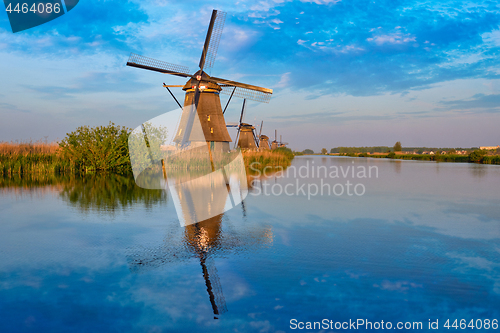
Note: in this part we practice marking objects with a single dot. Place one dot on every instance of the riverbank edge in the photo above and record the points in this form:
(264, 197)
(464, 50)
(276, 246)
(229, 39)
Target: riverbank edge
(487, 159)
(53, 163)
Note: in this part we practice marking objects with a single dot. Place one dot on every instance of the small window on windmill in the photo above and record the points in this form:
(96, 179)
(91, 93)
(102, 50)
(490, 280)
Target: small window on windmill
(208, 117)
(212, 130)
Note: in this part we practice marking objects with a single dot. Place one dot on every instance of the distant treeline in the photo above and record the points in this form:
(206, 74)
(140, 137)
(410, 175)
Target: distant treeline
(386, 149)
(357, 150)
(452, 158)
(476, 156)
(464, 155)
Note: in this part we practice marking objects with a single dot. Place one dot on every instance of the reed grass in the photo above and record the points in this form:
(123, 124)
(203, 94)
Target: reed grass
(29, 157)
(258, 160)
(25, 148)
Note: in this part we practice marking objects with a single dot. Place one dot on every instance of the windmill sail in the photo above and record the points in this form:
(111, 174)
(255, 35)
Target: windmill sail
(214, 287)
(139, 61)
(212, 40)
(243, 90)
(242, 116)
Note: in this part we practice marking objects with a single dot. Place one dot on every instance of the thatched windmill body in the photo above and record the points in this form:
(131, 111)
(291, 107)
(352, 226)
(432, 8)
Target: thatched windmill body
(248, 139)
(281, 143)
(202, 91)
(263, 139)
(275, 143)
(245, 137)
(264, 142)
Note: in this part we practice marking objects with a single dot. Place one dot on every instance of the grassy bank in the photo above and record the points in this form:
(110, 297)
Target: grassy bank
(32, 158)
(474, 157)
(23, 159)
(258, 160)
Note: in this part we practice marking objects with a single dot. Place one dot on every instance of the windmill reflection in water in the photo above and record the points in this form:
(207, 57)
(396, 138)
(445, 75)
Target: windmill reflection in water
(212, 238)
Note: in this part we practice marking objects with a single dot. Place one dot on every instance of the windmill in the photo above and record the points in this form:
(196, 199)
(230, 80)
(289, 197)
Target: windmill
(202, 91)
(245, 137)
(274, 144)
(281, 143)
(263, 139)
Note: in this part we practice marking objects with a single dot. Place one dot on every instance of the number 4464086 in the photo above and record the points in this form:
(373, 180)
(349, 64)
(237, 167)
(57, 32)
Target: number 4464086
(477, 324)
(35, 8)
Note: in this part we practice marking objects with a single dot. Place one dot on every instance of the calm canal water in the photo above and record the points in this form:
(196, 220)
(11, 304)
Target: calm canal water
(415, 241)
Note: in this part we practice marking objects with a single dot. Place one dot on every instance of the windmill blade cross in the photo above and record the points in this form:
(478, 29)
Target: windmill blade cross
(136, 60)
(212, 40)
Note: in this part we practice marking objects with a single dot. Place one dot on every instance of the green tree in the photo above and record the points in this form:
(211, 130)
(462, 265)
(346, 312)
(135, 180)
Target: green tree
(308, 152)
(397, 146)
(324, 151)
(477, 156)
(97, 148)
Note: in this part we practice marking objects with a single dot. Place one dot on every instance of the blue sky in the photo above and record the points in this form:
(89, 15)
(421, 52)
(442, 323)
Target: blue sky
(344, 73)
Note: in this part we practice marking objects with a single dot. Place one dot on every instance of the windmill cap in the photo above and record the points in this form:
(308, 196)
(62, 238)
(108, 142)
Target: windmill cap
(204, 81)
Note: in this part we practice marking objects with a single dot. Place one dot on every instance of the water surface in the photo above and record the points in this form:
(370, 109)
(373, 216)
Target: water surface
(101, 255)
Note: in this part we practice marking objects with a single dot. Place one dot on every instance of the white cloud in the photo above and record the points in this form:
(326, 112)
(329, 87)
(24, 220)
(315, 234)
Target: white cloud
(236, 37)
(285, 79)
(394, 38)
(262, 6)
(322, 2)
(492, 37)
(326, 46)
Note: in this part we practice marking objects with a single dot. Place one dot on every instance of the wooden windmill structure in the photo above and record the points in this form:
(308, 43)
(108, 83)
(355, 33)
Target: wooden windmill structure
(202, 91)
(245, 137)
(263, 139)
(281, 143)
(274, 144)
